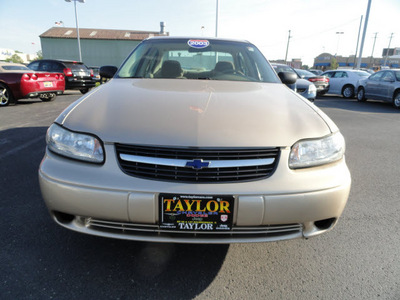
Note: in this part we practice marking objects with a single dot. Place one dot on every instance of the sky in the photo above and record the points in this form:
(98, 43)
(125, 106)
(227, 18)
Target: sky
(266, 23)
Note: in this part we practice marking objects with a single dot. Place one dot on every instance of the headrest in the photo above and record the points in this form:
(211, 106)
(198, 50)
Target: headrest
(171, 69)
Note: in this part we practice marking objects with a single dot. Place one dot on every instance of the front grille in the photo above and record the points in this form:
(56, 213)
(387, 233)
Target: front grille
(168, 164)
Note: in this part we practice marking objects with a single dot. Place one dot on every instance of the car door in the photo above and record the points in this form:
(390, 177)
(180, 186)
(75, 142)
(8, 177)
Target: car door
(386, 86)
(336, 82)
(372, 85)
(330, 75)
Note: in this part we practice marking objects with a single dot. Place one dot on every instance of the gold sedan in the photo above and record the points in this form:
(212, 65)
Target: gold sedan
(195, 141)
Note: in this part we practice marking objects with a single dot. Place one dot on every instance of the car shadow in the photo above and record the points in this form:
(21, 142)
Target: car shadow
(369, 106)
(44, 260)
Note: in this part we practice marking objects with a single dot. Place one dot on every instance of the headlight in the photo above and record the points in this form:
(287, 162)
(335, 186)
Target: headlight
(310, 153)
(74, 145)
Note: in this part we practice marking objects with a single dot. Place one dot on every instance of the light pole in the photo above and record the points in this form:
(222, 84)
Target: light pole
(358, 40)
(287, 46)
(363, 36)
(339, 33)
(216, 19)
(77, 27)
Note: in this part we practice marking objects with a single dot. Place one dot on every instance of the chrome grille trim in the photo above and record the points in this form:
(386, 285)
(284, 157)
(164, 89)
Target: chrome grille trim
(221, 165)
(182, 163)
(132, 228)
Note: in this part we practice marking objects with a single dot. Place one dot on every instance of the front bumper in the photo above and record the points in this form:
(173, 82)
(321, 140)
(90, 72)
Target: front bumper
(76, 83)
(103, 201)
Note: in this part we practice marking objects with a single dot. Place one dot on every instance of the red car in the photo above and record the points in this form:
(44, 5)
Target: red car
(17, 82)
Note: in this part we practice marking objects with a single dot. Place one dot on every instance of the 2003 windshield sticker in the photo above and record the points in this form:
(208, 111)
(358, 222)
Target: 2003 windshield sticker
(198, 44)
(201, 213)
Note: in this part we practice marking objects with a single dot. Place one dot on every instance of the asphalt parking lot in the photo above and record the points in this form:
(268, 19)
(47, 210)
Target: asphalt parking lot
(358, 259)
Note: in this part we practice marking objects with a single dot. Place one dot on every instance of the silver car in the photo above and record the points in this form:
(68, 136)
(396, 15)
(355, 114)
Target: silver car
(383, 85)
(343, 82)
(195, 141)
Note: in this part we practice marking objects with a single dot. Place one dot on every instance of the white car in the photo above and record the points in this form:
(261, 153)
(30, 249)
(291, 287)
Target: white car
(343, 82)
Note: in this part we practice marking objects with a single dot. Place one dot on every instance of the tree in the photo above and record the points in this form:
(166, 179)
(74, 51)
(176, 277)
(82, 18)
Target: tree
(334, 63)
(15, 59)
(39, 54)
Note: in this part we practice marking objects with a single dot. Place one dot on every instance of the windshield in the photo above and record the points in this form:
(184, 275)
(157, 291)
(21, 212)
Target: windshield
(14, 68)
(305, 73)
(197, 59)
(362, 73)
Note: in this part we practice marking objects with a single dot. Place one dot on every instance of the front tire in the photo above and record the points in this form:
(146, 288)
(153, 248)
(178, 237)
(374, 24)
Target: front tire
(361, 95)
(348, 91)
(84, 91)
(396, 100)
(5, 95)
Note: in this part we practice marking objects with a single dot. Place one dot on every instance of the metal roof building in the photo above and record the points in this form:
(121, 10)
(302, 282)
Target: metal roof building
(99, 47)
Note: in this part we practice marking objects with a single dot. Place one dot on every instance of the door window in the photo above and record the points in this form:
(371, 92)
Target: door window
(376, 76)
(34, 66)
(388, 77)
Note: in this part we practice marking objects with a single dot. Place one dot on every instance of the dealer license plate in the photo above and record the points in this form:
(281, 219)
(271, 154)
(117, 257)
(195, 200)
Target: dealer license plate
(196, 212)
(48, 84)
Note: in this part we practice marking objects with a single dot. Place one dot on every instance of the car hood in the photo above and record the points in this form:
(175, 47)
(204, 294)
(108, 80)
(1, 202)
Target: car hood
(196, 113)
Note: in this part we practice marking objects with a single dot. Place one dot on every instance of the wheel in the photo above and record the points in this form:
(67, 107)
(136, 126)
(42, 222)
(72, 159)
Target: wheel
(84, 91)
(361, 95)
(348, 91)
(5, 95)
(396, 99)
(47, 97)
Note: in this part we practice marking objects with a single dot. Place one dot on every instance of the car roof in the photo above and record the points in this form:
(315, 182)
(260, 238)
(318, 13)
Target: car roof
(62, 60)
(196, 38)
(5, 64)
(347, 70)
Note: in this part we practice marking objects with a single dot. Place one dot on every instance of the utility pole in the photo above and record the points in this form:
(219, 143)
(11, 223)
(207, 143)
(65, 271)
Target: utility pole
(364, 33)
(373, 48)
(387, 52)
(287, 47)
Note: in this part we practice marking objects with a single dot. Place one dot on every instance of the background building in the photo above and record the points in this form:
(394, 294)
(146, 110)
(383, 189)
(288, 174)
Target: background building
(294, 63)
(392, 51)
(326, 61)
(99, 47)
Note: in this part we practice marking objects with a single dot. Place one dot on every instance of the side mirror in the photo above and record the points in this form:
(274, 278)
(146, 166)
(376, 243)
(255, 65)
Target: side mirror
(108, 71)
(287, 77)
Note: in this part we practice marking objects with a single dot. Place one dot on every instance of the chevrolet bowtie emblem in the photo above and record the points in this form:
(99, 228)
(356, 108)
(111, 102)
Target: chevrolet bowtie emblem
(197, 164)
